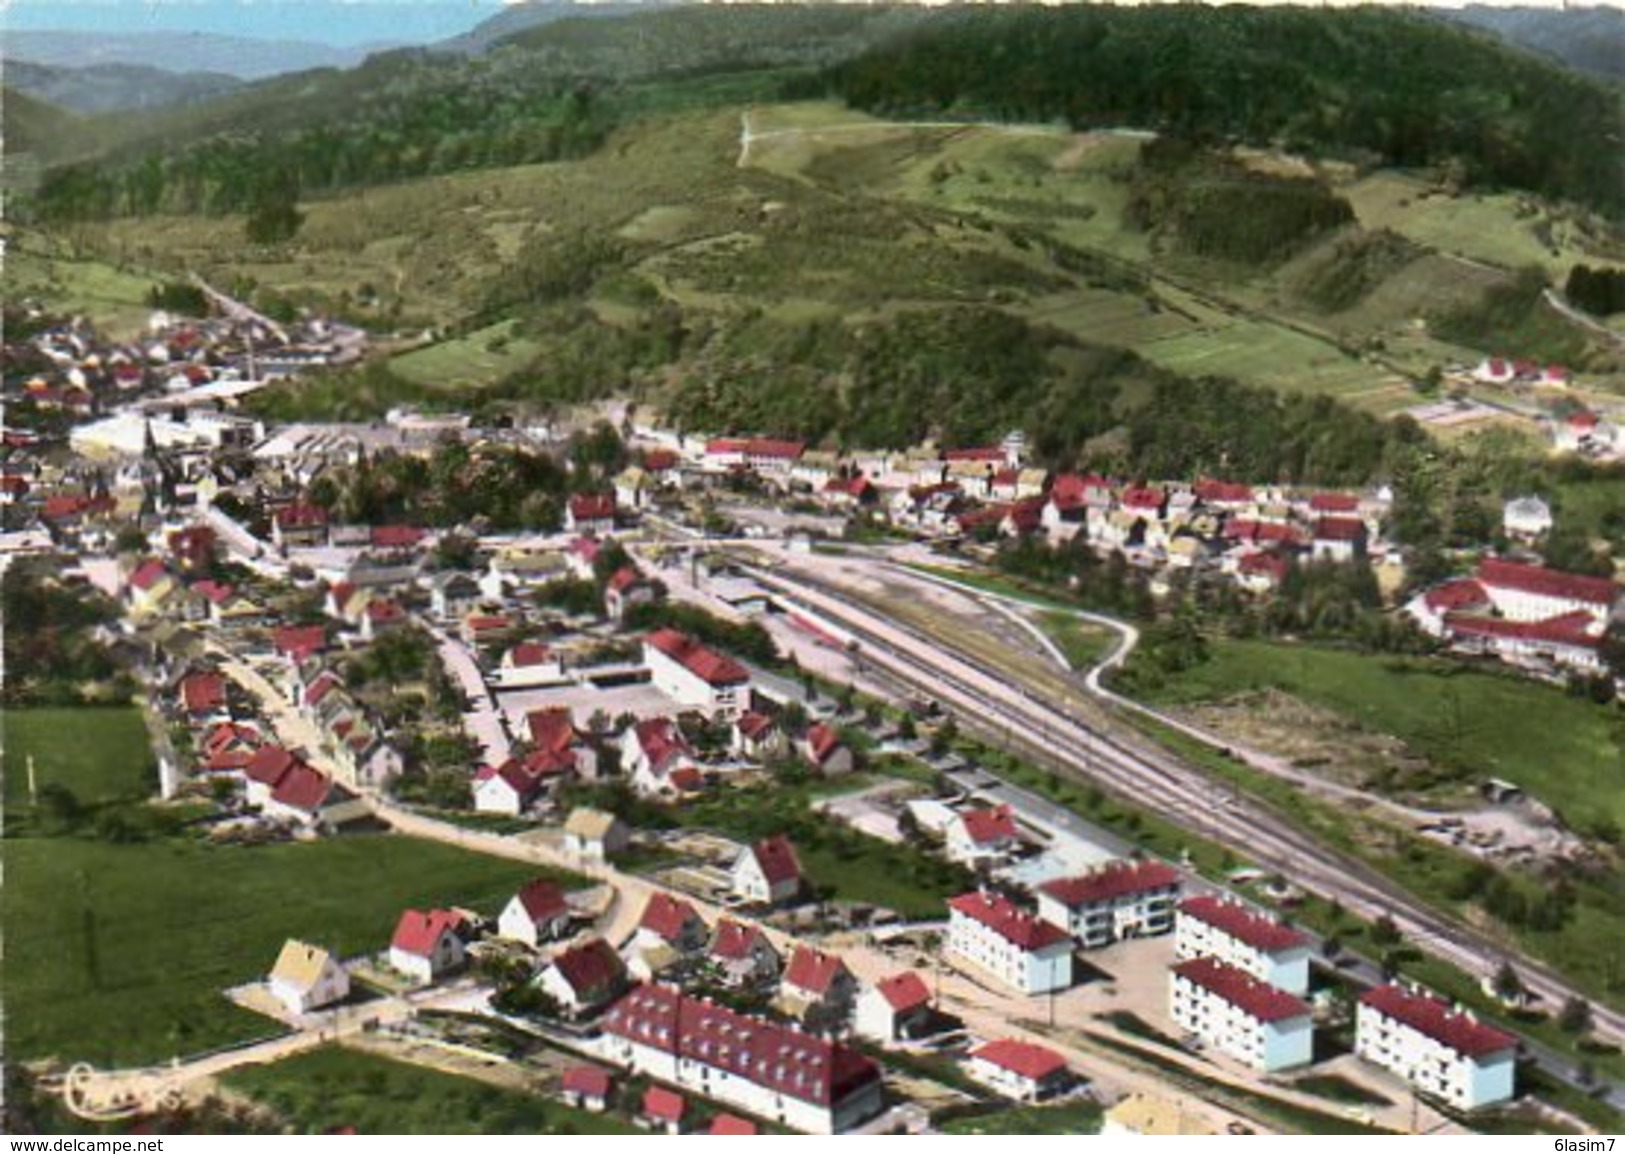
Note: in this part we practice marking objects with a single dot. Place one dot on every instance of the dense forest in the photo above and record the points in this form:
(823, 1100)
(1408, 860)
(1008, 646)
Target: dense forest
(1386, 84)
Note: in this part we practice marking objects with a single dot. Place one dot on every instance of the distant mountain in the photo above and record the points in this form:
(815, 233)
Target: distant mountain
(114, 87)
(530, 14)
(1588, 39)
(29, 123)
(180, 52)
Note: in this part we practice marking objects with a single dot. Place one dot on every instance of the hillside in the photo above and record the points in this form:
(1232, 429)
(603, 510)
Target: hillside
(242, 57)
(114, 87)
(1589, 39)
(31, 124)
(529, 14)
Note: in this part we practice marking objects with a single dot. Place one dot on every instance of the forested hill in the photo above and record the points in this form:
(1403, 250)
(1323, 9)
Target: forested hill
(1391, 85)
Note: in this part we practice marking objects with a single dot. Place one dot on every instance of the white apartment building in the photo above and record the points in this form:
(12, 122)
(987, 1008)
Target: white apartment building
(1441, 1050)
(1234, 1012)
(1251, 941)
(1121, 899)
(993, 935)
(695, 676)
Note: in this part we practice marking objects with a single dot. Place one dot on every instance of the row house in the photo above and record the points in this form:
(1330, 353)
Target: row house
(1121, 899)
(1250, 941)
(992, 934)
(1440, 1049)
(1231, 1010)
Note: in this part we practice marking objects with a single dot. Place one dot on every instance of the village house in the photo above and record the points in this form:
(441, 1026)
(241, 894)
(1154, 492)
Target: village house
(590, 514)
(670, 921)
(300, 524)
(150, 586)
(894, 1009)
(307, 978)
(817, 988)
(984, 836)
(537, 913)
(822, 748)
(774, 1072)
(1248, 1019)
(742, 955)
(427, 944)
(529, 664)
(585, 978)
(267, 766)
(1338, 539)
(586, 1088)
(1250, 941)
(1121, 899)
(657, 759)
(1019, 1071)
(991, 934)
(625, 589)
(767, 873)
(694, 676)
(308, 797)
(732, 1125)
(203, 697)
(1440, 1049)
(1526, 518)
(662, 1109)
(595, 835)
(757, 736)
(511, 788)
(483, 630)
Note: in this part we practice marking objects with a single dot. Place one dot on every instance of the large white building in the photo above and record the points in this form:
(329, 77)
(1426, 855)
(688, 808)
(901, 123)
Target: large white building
(1121, 899)
(993, 935)
(1232, 1011)
(694, 676)
(772, 1071)
(1251, 941)
(1440, 1050)
(1534, 593)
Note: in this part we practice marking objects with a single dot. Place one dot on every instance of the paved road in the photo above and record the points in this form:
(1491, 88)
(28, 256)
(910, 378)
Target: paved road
(483, 722)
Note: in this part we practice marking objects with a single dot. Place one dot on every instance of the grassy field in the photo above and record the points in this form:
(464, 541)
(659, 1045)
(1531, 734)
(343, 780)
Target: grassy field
(326, 1089)
(481, 357)
(101, 755)
(116, 297)
(1071, 1118)
(1563, 750)
(118, 953)
(1082, 643)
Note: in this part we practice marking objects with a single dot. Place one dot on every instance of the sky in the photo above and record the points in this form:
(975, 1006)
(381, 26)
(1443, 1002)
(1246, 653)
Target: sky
(339, 22)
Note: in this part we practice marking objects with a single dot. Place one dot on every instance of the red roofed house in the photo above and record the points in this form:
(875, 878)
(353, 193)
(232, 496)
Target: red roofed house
(768, 873)
(772, 457)
(510, 788)
(1535, 593)
(1227, 495)
(265, 768)
(988, 932)
(426, 944)
(742, 954)
(894, 1009)
(1440, 1049)
(1339, 539)
(822, 748)
(653, 751)
(1250, 1020)
(1020, 1071)
(817, 987)
(528, 664)
(1334, 504)
(192, 548)
(672, 922)
(203, 696)
(983, 835)
(695, 676)
(585, 977)
(308, 796)
(297, 642)
(663, 1109)
(300, 523)
(757, 736)
(731, 1125)
(536, 914)
(150, 584)
(591, 514)
(771, 1071)
(1121, 899)
(1253, 942)
(586, 1088)
(625, 589)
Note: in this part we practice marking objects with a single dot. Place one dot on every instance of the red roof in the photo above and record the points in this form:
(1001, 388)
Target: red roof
(1460, 594)
(543, 900)
(592, 969)
(776, 450)
(778, 1058)
(301, 515)
(724, 446)
(850, 486)
(905, 991)
(203, 692)
(396, 536)
(1113, 880)
(148, 575)
(1223, 492)
(302, 788)
(623, 579)
(661, 741)
(985, 453)
(777, 859)
(659, 460)
(989, 826)
(667, 917)
(734, 940)
(1438, 1020)
(593, 507)
(1265, 563)
(1339, 529)
(1245, 925)
(754, 726)
(1142, 498)
(1567, 629)
(709, 666)
(215, 592)
(822, 742)
(515, 775)
(487, 622)
(1001, 916)
(1537, 579)
(1023, 1059)
(588, 1081)
(1334, 503)
(1258, 999)
(1071, 491)
(687, 779)
(551, 729)
(382, 611)
(528, 653)
(724, 1124)
(300, 641)
(813, 970)
(269, 764)
(663, 1105)
(418, 931)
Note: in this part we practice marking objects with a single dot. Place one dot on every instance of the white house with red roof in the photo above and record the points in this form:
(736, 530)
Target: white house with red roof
(309, 797)
(990, 933)
(757, 736)
(1338, 539)
(1245, 938)
(817, 986)
(1120, 899)
(983, 835)
(823, 748)
(1020, 1071)
(670, 921)
(529, 664)
(1236, 1013)
(585, 977)
(299, 524)
(771, 1071)
(203, 697)
(510, 788)
(537, 913)
(586, 1088)
(695, 676)
(1438, 1048)
(590, 514)
(767, 873)
(742, 954)
(654, 755)
(268, 765)
(663, 1109)
(1523, 592)
(894, 1009)
(626, 588)
(427, 944)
